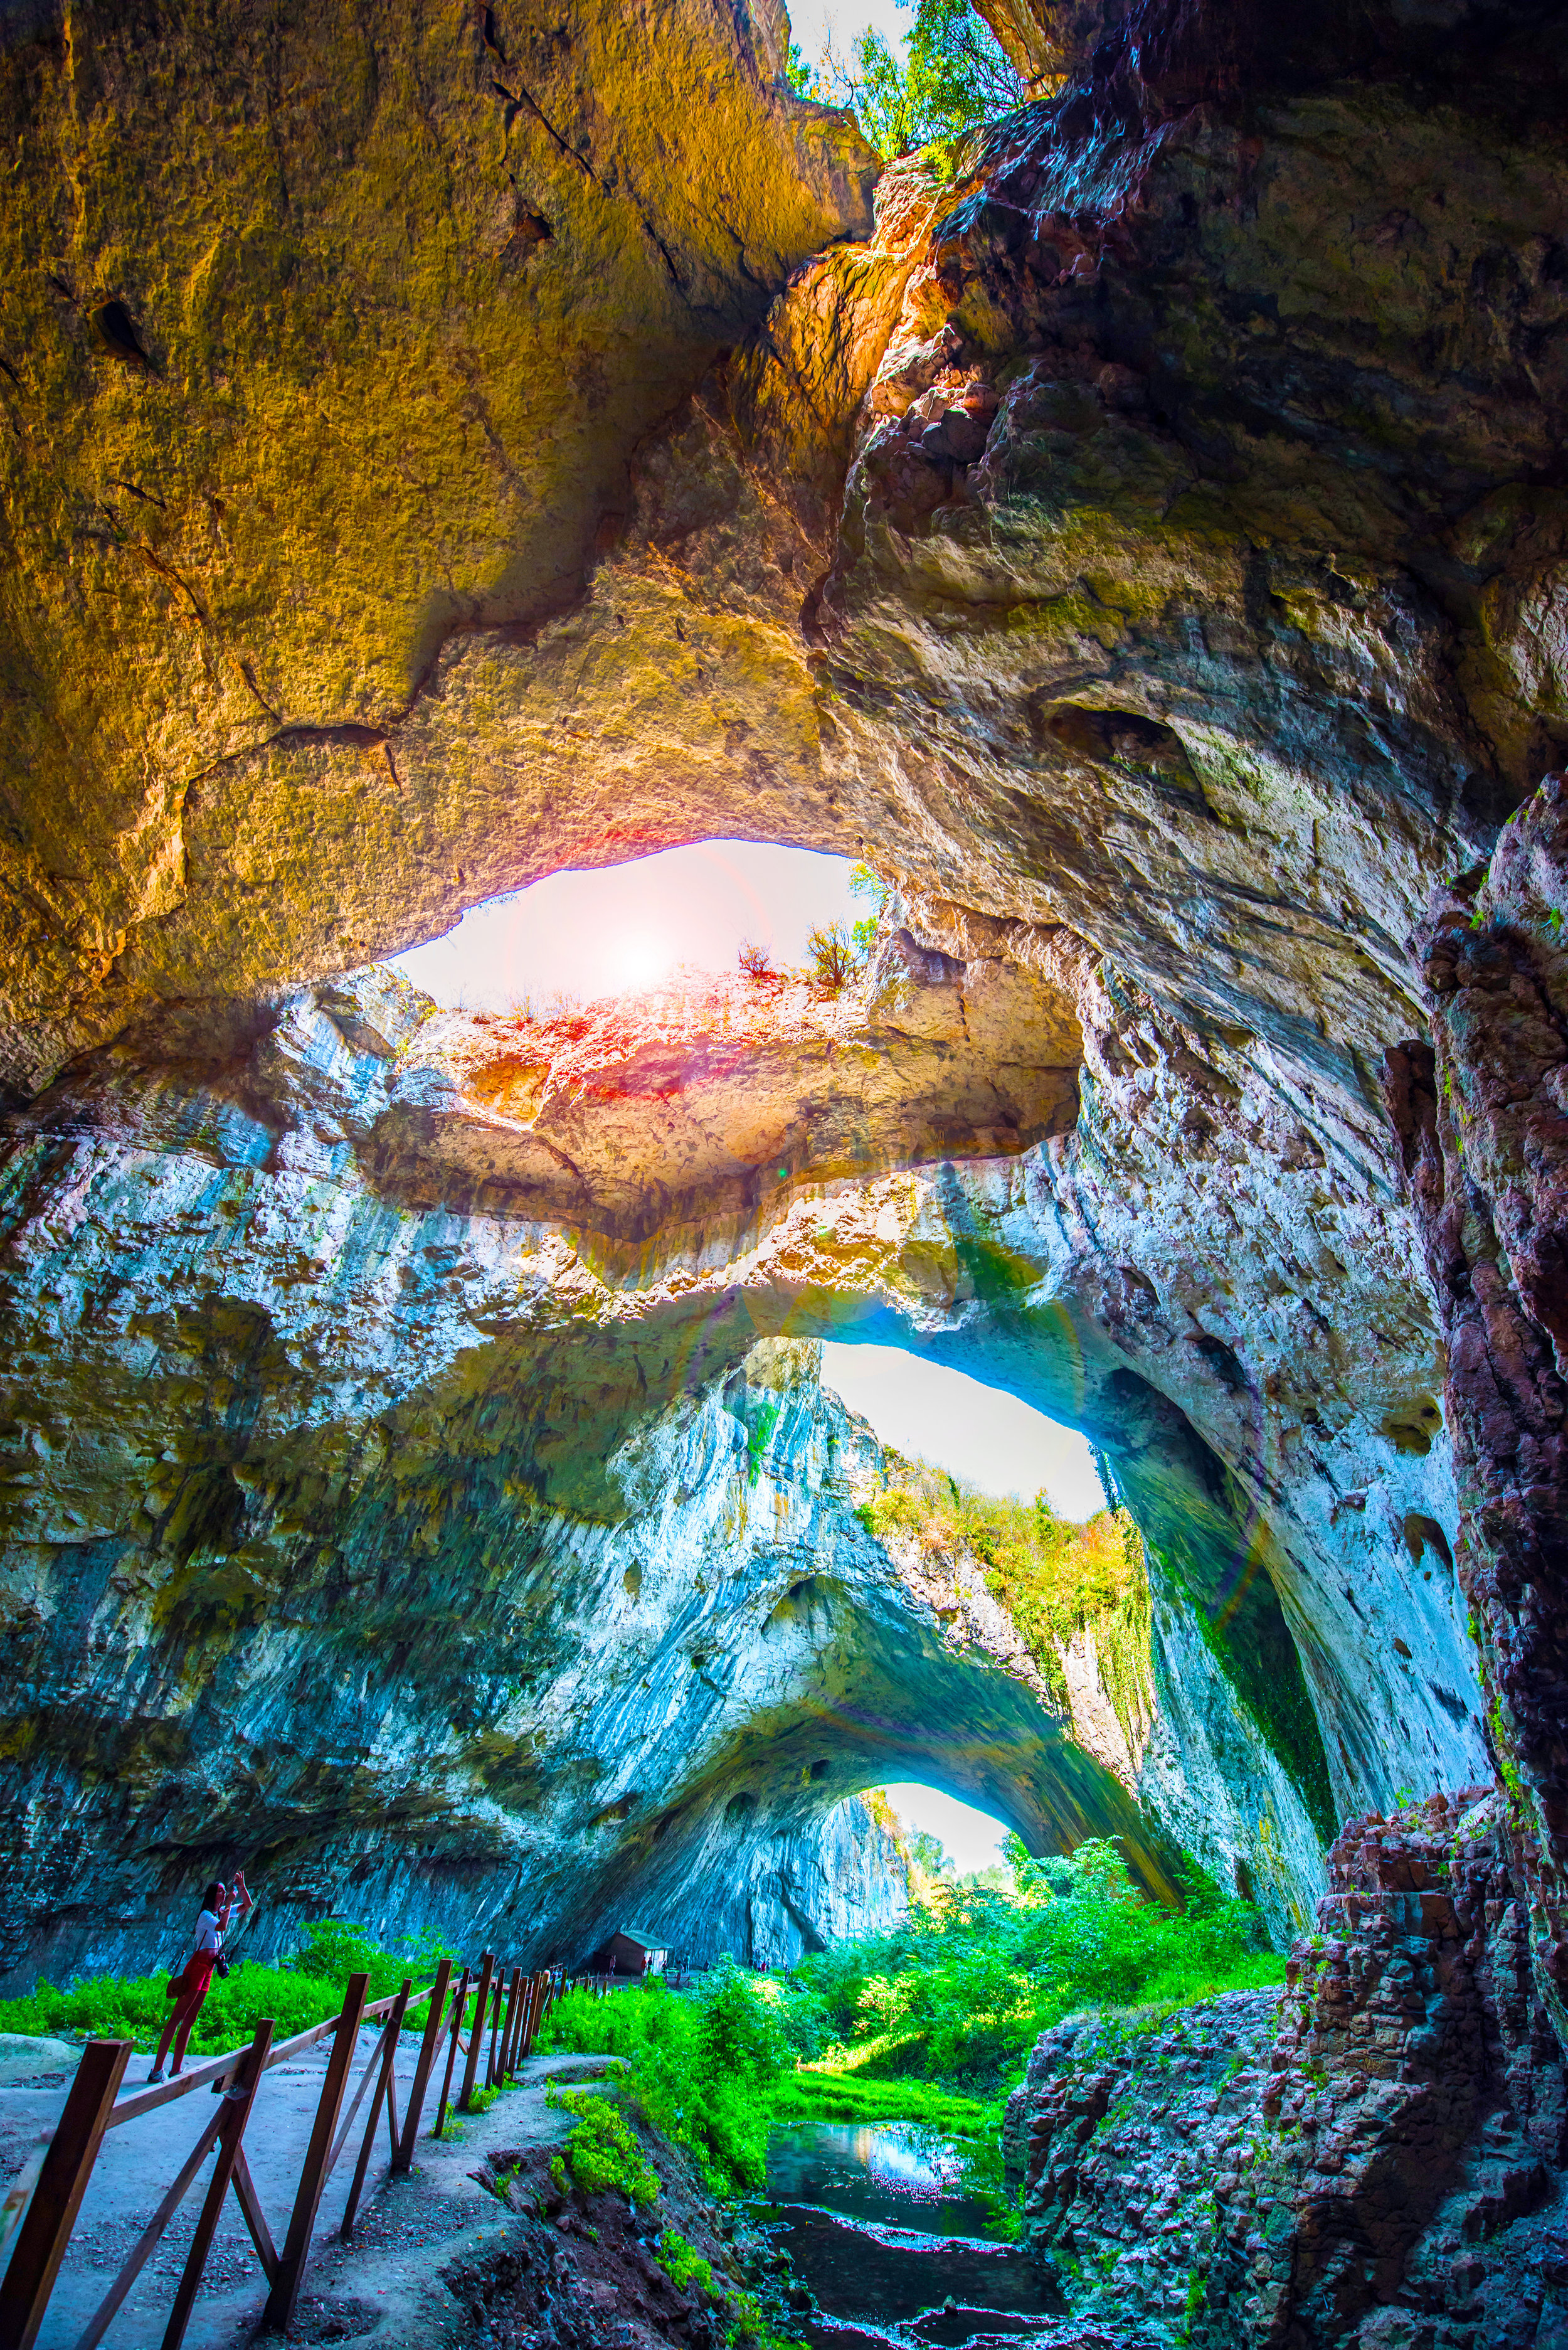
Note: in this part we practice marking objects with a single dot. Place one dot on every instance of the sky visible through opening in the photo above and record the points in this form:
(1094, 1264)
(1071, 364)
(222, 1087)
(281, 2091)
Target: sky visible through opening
(813, 22)
(626, 927)
(972, 1838)
(976, 1433)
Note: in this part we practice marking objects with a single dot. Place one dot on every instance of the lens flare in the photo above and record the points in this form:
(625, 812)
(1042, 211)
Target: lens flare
(642, 959)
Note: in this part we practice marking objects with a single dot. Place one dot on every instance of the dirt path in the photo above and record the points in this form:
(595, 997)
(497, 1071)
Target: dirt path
(406, 2227)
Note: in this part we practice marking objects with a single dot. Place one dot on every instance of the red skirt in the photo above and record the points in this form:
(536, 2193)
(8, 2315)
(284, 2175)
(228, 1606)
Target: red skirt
(193, 1984)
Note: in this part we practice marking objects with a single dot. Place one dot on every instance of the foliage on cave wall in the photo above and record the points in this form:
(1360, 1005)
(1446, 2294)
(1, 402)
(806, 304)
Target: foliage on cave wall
(1056, 1580)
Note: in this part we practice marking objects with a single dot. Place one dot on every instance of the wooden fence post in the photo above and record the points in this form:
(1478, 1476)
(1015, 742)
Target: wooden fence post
(40, 2247)
(531, 2019)
(476, 2037)
(492, 2076)
(508, 2028)
(313, 2177)
(383, 2081)
(239, 2097)
(458, 2006)
(403, 2159)
(516, 1999)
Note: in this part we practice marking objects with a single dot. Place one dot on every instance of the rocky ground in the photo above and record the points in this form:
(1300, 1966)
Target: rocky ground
(581, 2271)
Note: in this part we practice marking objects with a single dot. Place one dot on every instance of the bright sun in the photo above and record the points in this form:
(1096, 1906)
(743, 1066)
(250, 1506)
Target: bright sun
(642, 959)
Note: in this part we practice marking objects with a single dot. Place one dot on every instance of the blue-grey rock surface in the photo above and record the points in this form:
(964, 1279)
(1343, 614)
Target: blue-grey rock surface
(460, 1563)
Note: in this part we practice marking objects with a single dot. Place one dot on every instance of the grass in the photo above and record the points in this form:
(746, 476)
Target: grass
(824, 2093)
(306, 1990)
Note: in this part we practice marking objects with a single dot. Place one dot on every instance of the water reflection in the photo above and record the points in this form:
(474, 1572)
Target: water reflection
(907, 2161)
(881, 2227)
(899, 2172)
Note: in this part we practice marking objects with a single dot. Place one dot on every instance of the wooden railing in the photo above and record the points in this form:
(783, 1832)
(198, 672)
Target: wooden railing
(508, 2011)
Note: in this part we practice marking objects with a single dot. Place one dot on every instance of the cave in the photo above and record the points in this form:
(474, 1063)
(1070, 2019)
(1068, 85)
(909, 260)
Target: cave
(452, 450)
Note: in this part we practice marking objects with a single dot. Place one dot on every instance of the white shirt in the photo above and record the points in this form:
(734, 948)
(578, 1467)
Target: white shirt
(207, 1934)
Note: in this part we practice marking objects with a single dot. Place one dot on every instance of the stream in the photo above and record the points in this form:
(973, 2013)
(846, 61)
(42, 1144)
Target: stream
(879, 2227)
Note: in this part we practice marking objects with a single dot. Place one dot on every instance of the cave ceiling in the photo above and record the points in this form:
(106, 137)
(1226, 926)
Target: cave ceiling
(443, 450)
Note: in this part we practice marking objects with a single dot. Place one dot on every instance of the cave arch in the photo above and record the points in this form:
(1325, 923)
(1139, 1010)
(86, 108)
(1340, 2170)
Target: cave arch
(522, 1421)
(1212, 849)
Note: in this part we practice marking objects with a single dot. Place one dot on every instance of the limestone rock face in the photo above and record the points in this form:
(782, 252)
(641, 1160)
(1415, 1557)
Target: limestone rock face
(1484, 1119)
(705, 1099)
(328, 337)
(464, 1564)
(1373, 2160)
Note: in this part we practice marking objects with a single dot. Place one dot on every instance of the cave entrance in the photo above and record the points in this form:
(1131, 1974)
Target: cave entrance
(948, 1839)
(985, 1435)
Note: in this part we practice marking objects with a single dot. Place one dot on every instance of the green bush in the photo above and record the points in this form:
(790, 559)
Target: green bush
(305, 1992)
(602, 2151)
(682, 2263)
(702, 2067)
(961, 1991)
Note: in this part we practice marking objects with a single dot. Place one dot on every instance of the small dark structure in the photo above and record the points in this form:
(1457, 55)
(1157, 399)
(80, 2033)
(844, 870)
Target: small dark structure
(630, 1953)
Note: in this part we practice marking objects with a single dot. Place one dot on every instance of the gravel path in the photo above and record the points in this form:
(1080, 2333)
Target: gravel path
(405, 2228)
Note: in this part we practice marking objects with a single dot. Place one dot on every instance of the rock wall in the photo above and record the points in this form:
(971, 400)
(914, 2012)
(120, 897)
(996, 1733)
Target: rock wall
(1376, 2159)
(1482, 1115)
(338, 1463)
(329, 334)
(497, 1608)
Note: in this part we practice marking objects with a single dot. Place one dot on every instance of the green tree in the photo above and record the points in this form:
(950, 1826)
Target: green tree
(956, 75)
(930, 1853)
(864, 883)
(799, 72)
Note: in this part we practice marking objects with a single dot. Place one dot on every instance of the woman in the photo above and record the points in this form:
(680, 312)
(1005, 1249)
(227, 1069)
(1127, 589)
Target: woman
(190, 1988)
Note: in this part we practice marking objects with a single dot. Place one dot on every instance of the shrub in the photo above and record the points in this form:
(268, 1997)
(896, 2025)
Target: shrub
(959, 1994)
(865, 883)
(833, 962)
(701, 2067)
(305, 1992)
(756, 962)
(682, 2263)
(602, 2151)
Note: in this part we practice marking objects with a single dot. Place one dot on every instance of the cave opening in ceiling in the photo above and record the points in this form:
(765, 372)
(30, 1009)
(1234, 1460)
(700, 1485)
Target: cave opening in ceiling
(983, 1434)
(576, 937)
